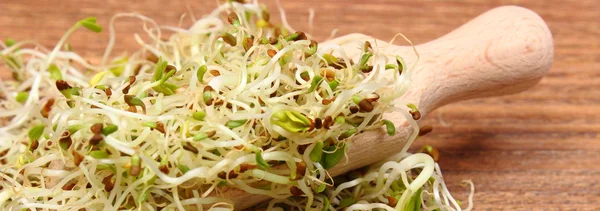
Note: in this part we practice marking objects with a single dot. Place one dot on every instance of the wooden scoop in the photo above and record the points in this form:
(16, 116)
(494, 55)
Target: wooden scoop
(503, 51)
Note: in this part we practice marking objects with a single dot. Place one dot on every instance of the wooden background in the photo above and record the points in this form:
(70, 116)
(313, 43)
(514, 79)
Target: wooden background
(539, 150)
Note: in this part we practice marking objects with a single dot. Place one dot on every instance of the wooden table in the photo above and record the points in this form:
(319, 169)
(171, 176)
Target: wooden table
(539, 150)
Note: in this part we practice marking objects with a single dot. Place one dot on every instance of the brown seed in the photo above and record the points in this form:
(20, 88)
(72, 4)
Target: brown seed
(109, 184)
(160, 127)
(232, 175)
(367, 69)
(425, 130)
(302, 148)
(325, 101)
(433, 152)
(168, 69)
(301, 36)
(208, 89)
(328, 74)
(312, 124)
(295, 191)
(34, 145)
(137, 70)
(273, 40)
(69, 186)
(229, 39)
(135, 169)
(190, 147)
(214, 73)
(96, 138)
(132, 109)
(164, 169)
(218, 102)
(300, 169)
(327, 122)
(231, 17)
(305, 76)
(367, 46)
(416, 114)
(65, 140)
(365, 105)
(108, 92)
(47, 108)
(271, 53)
(62, 85)
(97, 128)
(211, 133)
(392, 201)
(131, 81)
(77, 158)
(152, 58)
(248, 44)
(245, 167)
(318, 123)
(353, 109)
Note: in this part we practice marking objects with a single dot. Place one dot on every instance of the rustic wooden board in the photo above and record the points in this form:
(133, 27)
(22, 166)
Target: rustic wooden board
(539, 150)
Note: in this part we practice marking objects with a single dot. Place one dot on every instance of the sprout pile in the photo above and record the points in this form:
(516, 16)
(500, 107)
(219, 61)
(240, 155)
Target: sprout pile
(233, 102)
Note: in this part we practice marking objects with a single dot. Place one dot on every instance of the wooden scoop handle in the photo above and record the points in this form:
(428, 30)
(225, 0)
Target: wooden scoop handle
(503, 51)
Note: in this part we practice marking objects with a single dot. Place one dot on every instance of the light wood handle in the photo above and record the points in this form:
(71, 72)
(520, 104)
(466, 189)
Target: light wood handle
(503, 51)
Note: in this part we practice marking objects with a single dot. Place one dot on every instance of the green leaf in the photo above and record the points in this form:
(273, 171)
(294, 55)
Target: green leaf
(412, 107)
(333, 84)
(55, 72)
(330, 59)
(132, 100)
(356, 99)
(119, 66)
(74, 128)
(36, 132)
(161, 65)
(183, 168)
(315, 82)
(200, 73)
(261, 161)
(346, 134)
(10, 42)
(199, 115)
(163, 89)
(90, 23)
(329, 160)
(109, 128)
(109, 167)
(414, 203)
(99, 154)
(346, 202)
(200, 136)
(340, 119)
(235, 123)
(364, 59)
(396, 186)
(391, 129)
(326, 203)
(22, 97)
(143, 197)
(321, 187)
(292, 121)
(149, 124)
(317, 152)
(391, 66)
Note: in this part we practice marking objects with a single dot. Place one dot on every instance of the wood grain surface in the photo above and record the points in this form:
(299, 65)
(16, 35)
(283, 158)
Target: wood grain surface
(539, 150)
